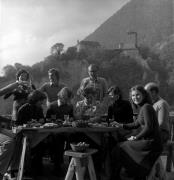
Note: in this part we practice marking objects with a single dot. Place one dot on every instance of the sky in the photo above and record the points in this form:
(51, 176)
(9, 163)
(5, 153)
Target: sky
(28, 28)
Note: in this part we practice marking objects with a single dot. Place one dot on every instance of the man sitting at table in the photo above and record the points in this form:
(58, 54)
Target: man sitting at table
(88, 109)
(57, 111)
(120, 110)
(27, 113)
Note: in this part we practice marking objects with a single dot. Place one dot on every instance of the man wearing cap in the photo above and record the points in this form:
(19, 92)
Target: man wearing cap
(98, 83)
(162, 110)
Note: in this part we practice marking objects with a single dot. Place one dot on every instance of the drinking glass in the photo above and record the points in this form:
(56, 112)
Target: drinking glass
(66, 118)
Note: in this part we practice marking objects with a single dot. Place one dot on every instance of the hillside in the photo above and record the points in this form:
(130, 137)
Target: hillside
(151, 19)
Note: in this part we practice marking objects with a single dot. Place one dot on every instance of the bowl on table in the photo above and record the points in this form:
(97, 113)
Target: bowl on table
(79, 147)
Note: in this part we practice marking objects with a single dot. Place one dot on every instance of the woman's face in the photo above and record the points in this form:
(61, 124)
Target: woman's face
(23, 77)
(137, 97)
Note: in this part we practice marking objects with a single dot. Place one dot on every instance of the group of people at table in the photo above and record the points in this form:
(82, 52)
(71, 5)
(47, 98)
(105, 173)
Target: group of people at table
(136, 151)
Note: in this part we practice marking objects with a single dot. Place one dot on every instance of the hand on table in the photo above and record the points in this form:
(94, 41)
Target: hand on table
(131, 138)
(116, 124)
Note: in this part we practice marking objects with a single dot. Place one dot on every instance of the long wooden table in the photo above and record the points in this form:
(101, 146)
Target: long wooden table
(36, 135)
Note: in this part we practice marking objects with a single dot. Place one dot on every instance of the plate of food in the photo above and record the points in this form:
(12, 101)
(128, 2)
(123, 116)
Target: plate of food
(50, 125)
(98, 125)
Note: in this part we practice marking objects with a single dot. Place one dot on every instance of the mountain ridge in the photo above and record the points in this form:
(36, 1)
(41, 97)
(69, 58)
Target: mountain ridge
(153, 20)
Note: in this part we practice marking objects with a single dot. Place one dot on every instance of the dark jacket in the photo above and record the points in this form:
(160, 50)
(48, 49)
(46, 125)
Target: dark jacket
(121, 111)
(27, 112)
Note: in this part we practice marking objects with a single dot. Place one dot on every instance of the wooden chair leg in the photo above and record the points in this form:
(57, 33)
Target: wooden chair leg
(78, 169)
(172, 159)
(22, 160)
(91, 169)
(71, 170)
(169, 159)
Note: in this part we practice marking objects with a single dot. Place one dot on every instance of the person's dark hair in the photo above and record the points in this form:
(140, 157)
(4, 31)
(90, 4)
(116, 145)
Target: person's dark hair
(146, 97)
(86, 91)
(65, 92)
(36, 96)
(116, 90)
(21, 71)
(54, 71)
(152, 86)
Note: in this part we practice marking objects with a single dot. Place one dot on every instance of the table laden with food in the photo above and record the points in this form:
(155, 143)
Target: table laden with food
(34, 132)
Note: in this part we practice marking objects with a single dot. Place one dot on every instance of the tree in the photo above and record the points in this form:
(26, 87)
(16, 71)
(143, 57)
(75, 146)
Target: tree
(56, 49)
(9, 71)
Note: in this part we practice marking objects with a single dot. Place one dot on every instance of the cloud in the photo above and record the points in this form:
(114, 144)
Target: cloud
(30, 27)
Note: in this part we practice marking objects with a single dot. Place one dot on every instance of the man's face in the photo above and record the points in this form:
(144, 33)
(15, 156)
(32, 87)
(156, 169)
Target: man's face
(113, 96)
(92, 71)
(153, 95)
(23, 77)
(52, 78)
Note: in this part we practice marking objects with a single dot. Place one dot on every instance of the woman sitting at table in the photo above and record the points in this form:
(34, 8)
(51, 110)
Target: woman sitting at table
(88, 108)
(138, 154)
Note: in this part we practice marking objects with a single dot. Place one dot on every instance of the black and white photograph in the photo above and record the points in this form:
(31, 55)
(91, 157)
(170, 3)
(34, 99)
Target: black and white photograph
(86, 89)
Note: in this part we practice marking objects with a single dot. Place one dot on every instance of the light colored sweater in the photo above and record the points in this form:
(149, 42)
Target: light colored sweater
(162, 110)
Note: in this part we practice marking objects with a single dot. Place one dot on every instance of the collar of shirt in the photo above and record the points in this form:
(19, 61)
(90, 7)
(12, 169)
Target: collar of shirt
(94, 80)
(156, 100)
